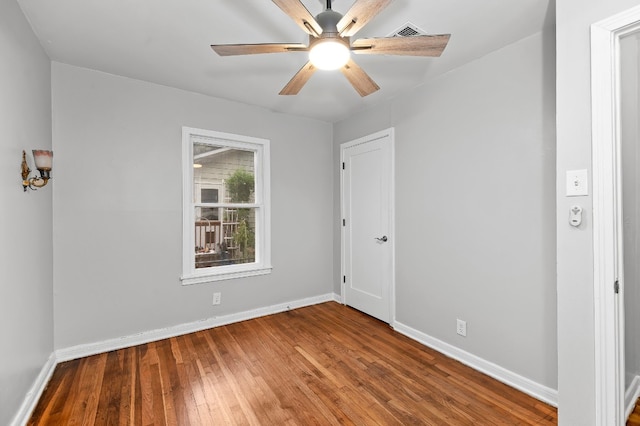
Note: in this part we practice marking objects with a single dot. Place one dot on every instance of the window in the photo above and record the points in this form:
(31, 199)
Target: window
(226, 214)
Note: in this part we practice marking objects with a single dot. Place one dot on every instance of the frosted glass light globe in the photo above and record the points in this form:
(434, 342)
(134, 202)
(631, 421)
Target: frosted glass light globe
(329, 55)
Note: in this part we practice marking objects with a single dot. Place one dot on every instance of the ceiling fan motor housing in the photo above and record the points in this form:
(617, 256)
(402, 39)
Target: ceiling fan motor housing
(328, 21)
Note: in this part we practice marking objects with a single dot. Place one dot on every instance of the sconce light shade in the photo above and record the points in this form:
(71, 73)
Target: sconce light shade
(44, 161)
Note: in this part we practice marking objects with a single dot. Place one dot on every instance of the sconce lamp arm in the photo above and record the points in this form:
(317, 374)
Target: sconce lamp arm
(34, 183)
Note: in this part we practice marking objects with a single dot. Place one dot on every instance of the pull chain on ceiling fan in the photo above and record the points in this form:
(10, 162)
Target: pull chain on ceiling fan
(330, 43)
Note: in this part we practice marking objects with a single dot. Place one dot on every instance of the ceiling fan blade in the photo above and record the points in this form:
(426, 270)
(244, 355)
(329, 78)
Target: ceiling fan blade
(359, 79)
(251, 49)
(425, 45)
(300, 79)
(360, 13)
(299, 13)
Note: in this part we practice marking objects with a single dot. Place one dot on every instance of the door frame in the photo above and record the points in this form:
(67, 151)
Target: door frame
(607, 215)
(390, 132)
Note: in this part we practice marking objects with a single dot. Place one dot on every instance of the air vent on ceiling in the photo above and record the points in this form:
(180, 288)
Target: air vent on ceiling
(407, 30)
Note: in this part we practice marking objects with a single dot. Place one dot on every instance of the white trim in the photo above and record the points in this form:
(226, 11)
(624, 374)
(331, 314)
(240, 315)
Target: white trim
(523, 384)
(390, 132)
(33, 395)
(89, 349)
(631, 396)
(392, 219)
(608, 309)
(262, 206)
(220, 276)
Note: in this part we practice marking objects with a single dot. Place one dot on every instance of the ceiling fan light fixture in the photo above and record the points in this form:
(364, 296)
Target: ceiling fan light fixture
(330, 43)
(329, 54)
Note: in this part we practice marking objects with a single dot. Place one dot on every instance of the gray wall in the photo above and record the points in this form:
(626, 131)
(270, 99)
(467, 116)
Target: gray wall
(630, 69)
(576, 358)
(121, 135)
(475, 203)
(26, 303)
(118, 220)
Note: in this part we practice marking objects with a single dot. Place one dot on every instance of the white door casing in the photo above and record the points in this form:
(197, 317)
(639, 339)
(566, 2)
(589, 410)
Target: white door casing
(367, 229)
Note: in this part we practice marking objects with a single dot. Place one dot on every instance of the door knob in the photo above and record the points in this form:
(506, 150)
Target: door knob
(383, 239)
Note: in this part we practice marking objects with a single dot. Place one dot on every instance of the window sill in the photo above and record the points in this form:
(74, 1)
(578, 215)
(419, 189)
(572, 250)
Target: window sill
(201, 278)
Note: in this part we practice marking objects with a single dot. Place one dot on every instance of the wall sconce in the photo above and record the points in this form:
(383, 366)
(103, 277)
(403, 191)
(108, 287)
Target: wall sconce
(43, 160)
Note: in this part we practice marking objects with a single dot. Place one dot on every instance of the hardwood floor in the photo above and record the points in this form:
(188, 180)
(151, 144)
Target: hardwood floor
(320, 365)
(634, 418)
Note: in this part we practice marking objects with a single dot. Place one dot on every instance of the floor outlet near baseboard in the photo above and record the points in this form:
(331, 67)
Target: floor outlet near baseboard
(217, 297)
(461, 327)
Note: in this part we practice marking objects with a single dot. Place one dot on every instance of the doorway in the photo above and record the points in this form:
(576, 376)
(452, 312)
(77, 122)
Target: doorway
(366, 187)
(615, 127)
(630, 171)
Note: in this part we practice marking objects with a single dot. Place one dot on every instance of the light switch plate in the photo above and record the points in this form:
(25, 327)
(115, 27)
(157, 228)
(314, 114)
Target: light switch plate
(577, 183)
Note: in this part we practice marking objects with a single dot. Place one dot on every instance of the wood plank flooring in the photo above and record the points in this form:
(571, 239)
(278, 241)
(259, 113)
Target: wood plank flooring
(320, 365)
(634, 418)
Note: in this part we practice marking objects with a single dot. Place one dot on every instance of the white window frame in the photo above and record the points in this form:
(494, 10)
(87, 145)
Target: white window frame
(262, 206)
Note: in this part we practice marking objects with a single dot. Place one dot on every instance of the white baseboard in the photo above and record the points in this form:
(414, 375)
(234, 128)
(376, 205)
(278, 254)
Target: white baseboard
(631, 396)
(33, 395)
(89, 349)
(536, 390)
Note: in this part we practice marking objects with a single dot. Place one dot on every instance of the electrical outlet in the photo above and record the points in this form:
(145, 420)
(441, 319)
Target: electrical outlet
(461, 327)
(217, 298)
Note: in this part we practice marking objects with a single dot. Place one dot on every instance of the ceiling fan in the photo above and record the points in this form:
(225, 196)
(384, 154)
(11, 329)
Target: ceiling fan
(330, 43)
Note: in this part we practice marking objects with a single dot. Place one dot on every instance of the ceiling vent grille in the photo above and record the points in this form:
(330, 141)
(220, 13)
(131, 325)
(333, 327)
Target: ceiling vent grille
(407, 30)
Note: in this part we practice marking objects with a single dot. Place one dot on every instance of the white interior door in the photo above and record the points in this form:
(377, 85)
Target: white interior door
(367, 231)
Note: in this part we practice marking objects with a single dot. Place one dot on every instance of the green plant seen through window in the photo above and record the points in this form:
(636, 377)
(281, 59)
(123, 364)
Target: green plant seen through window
(240, 188)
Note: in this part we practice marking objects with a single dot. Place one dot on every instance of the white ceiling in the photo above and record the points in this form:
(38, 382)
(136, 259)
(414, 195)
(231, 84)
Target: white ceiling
(167, 42)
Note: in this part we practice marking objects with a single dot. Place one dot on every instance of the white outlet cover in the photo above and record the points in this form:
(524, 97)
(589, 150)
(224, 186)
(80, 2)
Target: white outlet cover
(577, 183)
(461, 327)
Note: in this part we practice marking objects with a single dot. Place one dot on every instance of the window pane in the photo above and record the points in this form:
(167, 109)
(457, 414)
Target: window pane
(207, 213)
(226, 204)
(239, 231)
(224, 236)
(223, 174)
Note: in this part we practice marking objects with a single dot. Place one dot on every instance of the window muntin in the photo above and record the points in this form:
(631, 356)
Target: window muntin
(226, 212)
